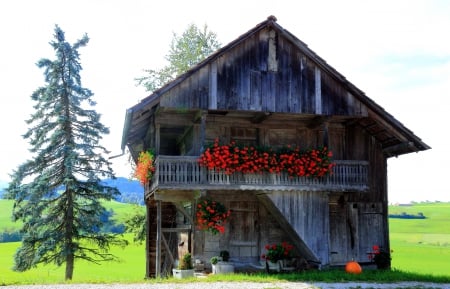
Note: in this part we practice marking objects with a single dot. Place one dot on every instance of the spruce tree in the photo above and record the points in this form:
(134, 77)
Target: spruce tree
(57, 193)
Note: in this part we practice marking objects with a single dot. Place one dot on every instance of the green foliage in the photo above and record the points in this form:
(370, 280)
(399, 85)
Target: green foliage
(185, 262)
(135, 224)
(225, 255)
(57, 193)
(214, 260)
(185, 51)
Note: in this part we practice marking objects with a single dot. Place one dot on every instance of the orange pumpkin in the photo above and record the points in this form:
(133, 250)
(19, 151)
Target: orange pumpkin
(353, 267)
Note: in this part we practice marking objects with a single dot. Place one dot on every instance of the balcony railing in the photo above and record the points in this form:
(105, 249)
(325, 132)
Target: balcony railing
(185, 173)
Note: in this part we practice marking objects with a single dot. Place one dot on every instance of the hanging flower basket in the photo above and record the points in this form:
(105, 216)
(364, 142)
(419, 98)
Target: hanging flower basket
(145, 167)
(211, 216)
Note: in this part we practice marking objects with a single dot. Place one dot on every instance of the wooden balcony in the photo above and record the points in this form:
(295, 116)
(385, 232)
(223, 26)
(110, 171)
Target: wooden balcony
(183, 173)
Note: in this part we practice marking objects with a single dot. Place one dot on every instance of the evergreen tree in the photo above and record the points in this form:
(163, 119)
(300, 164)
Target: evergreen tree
(193, 46)
(58, 192)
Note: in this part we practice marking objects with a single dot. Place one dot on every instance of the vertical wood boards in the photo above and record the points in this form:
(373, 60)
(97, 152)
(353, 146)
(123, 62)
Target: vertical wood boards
(307, 213)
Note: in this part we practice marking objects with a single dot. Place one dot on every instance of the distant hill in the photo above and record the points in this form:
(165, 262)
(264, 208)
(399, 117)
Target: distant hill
(3, 186)
(131, 190)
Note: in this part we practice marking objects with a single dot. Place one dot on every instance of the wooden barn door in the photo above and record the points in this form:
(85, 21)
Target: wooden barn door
(244, 233)
(344, 243)
(354, 229)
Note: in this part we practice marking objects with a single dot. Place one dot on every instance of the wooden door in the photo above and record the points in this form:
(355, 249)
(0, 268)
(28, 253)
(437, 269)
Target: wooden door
(343, 233)
(244, 233)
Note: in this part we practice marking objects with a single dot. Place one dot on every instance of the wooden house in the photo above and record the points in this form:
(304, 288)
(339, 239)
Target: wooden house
(266, 88)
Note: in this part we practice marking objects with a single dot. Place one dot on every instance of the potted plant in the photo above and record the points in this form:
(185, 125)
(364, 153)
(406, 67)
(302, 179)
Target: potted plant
(225, 255)
(214, 260)
(277, 253)
(221, 264)
(145, 167)
(185, 268)
(382, 258)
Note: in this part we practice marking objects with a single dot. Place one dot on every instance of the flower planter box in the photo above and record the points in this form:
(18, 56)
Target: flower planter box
(180, 274)
(223, 268)
(272, 266)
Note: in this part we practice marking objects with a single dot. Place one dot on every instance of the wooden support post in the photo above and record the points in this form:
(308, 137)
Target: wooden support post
(202, 132)
(147, 242)
(212, 103)
(158, 240)
(318, 91)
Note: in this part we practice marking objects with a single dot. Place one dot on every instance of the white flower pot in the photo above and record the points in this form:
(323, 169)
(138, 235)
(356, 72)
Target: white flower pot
(180, 274)
(223, 268)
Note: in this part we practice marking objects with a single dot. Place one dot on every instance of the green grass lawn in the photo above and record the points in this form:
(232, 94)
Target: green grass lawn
(131, 268)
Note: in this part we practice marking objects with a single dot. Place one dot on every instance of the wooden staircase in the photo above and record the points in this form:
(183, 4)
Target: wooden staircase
(168, 220)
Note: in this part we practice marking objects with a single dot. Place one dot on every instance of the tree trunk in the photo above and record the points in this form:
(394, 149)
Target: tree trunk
(69, 266)
(70, 257)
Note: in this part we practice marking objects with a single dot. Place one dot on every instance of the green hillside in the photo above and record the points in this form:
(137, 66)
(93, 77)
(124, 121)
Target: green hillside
(6, 222)
(121, 212)
(421, 245)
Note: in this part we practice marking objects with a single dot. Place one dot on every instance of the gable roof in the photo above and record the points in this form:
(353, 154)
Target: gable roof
(392, 134)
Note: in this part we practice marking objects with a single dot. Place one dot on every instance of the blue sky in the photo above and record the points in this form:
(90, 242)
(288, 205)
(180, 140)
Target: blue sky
(397, 52)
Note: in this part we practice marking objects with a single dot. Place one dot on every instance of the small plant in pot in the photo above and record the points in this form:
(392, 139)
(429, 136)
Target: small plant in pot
(185, 268)
(220, 265)
(225, 255)
(214, 260)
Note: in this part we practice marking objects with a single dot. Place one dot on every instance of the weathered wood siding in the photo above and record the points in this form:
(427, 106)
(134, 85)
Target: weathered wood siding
(249, 229)
(354, 227)
(264, 73)
(307, 212)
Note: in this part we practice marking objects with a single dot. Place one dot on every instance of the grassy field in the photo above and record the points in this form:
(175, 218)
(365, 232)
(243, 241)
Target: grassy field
(420, 246)
(131, 268)
(5, 216)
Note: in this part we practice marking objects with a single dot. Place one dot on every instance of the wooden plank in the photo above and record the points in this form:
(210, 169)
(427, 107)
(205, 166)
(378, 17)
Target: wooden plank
(178, 229)
(181, 209)
(176, 195)
(213, 86)
(168, 251)
(278, 216)
(158, 239)
(318, 90)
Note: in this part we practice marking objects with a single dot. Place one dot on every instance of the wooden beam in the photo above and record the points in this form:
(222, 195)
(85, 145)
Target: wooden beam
(158, 240)
(184, 212)
(317, 121)
(212, 103)
(278, 216)
(166, 246)
(177, 229)
(318, 90)
(176, 195)
(391, 150)
(147, 244)
(260, 117)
